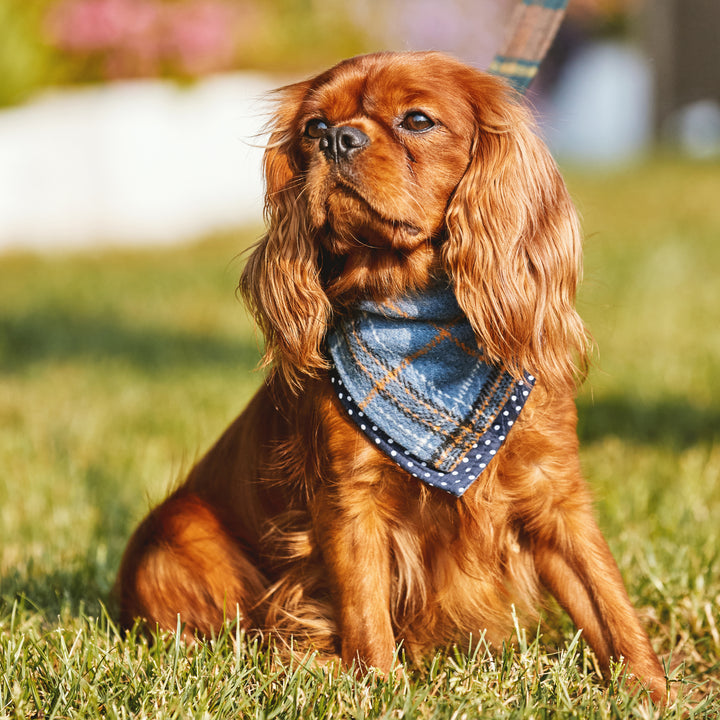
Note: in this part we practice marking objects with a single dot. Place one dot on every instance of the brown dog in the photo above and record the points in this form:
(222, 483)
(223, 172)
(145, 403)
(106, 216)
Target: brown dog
(388, 177)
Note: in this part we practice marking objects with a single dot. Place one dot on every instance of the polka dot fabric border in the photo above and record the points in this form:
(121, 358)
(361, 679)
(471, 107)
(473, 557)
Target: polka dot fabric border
(470, 467)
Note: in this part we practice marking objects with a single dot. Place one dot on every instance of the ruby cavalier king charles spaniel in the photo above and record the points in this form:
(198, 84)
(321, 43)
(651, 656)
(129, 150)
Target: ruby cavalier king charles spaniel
(408, 471)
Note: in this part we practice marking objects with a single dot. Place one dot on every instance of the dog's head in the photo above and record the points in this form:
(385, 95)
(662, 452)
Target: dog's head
(391, 169)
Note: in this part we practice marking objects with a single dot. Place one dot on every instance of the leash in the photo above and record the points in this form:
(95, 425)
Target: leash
(533, 26)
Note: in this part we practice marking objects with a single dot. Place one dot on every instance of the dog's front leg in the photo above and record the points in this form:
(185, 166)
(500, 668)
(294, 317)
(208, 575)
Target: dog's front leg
(354, 540)
(585, 579)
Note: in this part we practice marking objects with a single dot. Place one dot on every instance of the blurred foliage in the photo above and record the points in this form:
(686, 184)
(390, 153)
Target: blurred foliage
(46, 43)
(26, 61)
(606, 18)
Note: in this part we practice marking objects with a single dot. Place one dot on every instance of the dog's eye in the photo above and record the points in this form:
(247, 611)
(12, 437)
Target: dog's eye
(315, 128)
(416, 122)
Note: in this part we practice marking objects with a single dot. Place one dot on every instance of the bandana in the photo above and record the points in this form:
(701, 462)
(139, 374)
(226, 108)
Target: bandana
(410, 374)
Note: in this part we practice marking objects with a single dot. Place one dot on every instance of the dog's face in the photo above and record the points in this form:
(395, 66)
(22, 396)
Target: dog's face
(391, 169)
(384, 147)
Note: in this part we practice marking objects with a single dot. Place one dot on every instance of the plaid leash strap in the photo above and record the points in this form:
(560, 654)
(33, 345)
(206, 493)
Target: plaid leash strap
(533, 26)
(409, 373)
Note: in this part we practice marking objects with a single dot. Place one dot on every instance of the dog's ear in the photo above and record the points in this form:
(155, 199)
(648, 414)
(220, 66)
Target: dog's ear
(513, 247)
(281, 280)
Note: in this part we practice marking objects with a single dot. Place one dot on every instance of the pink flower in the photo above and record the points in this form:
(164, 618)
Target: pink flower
(90, 25)
(201, 34)
(149, 37)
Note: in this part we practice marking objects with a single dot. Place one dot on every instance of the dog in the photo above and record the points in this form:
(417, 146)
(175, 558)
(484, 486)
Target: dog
(408, 471)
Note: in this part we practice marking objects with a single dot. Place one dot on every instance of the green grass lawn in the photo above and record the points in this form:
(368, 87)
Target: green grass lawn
(118, 368)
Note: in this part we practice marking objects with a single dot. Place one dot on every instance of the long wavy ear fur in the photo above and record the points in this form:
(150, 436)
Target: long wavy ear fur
(513, 248)
(280, 282)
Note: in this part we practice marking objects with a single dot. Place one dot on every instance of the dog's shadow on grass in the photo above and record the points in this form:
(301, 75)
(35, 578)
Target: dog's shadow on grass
(81, 587)
(47, 334)
(674, 422)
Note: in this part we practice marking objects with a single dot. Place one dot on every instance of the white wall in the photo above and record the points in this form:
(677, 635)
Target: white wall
(137, 162)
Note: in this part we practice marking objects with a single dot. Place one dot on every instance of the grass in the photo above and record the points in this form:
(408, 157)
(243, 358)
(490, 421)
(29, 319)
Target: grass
(117, 369)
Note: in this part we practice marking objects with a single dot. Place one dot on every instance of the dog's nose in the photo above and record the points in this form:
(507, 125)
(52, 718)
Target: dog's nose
(342, 142)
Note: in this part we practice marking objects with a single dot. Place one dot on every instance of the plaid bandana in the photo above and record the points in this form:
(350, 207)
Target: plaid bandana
(409, 372)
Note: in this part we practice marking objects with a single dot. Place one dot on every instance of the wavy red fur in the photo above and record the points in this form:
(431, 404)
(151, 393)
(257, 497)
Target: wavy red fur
(293, 521)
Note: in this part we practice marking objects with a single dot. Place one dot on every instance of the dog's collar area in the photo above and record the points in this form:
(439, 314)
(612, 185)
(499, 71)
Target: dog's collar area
(409, 373)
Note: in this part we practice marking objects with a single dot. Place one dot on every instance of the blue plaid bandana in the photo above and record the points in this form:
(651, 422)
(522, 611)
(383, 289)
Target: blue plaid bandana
(409, 372)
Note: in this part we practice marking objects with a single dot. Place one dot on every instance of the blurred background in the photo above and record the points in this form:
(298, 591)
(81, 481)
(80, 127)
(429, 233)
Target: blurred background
(139, 121)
